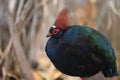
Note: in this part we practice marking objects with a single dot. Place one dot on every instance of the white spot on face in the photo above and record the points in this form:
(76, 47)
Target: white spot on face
(54, 26)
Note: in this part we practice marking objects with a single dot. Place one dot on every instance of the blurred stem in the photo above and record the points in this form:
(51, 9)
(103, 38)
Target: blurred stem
(25, 12)
(20, 7)
(102, 13)
(33, 32)
(0, 39)
(24, 65)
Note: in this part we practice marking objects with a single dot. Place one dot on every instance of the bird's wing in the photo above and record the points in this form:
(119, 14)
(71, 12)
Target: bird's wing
(101, 47)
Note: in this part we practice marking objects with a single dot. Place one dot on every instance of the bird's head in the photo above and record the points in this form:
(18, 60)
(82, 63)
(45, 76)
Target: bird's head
(61, 24)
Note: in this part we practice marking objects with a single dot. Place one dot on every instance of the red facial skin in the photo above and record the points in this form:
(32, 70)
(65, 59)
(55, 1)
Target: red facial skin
(54, 32)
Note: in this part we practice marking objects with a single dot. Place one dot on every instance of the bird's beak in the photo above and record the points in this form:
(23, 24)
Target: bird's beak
(49, 35)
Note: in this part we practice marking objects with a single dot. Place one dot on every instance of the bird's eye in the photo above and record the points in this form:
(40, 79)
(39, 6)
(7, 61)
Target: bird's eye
(56, 31)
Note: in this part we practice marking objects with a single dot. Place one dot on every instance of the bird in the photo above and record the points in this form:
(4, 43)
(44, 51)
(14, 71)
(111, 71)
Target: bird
(79, 50)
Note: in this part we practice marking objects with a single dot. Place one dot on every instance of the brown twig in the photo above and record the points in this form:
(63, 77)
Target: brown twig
(24, 24)
(25, 12)
(33, 30)
(25, 67)
(7, 50)
(19, 10)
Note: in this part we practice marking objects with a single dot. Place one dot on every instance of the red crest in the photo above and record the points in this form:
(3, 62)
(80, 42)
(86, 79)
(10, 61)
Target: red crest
(63, 20)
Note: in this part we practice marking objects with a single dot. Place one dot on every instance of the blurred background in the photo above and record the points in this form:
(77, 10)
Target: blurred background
(23, 34)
